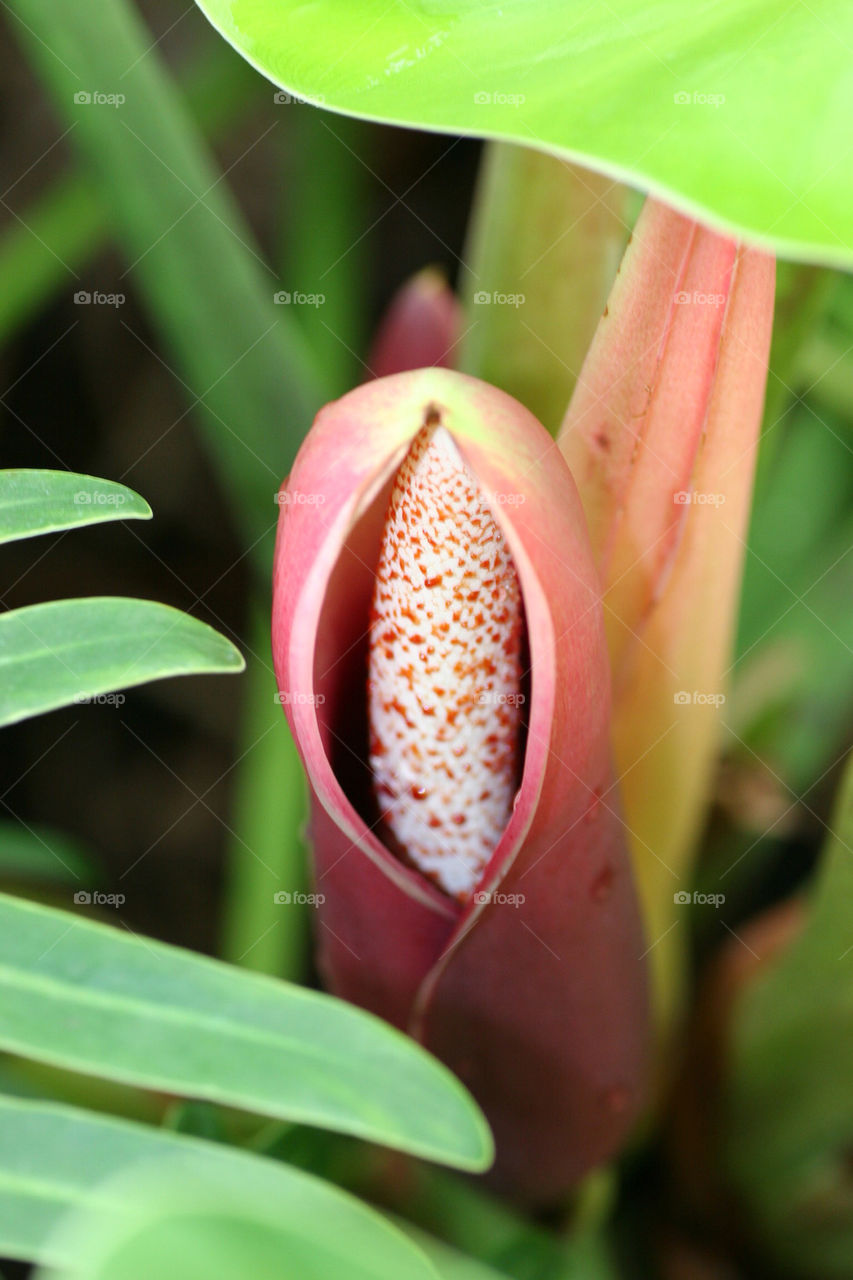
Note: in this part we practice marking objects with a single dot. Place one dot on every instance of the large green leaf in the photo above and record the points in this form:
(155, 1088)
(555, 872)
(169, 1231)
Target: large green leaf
(75, 650)
(36, 501)
(736, 109)
(119, 1179)
(94, 999)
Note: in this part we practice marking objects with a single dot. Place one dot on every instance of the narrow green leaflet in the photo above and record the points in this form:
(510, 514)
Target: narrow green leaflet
(740, 114)
(69, 651)
(219, 1210)
(789, 1115)
(35, 501)
(37, 853)
(95, 999)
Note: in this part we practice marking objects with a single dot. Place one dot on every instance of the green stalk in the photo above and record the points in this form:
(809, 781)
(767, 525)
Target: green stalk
(544, 246)
(266, 853)
(458, 1212)
(322, 250)
(478, 1224)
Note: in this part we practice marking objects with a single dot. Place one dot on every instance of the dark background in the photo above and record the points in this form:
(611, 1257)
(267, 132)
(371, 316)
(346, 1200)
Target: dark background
(88, 388)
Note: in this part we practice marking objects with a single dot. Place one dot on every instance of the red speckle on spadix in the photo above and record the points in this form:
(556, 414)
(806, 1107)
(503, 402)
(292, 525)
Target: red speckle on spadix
(444, 678)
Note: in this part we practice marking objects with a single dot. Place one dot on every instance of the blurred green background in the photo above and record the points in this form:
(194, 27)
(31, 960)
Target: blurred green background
(191, 204)
(310, 204)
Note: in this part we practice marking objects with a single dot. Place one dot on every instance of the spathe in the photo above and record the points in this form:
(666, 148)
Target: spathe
(534, 990)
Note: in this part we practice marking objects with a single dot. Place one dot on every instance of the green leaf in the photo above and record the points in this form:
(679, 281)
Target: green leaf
(789, 1114)
(69, 651)
(448, 1262)
(130, 1190)
(94, 999)
(35, 501)
(330, 165)
(793, 688)
(240, 360)
(41, 853)
(60, 231)
(700, 112)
